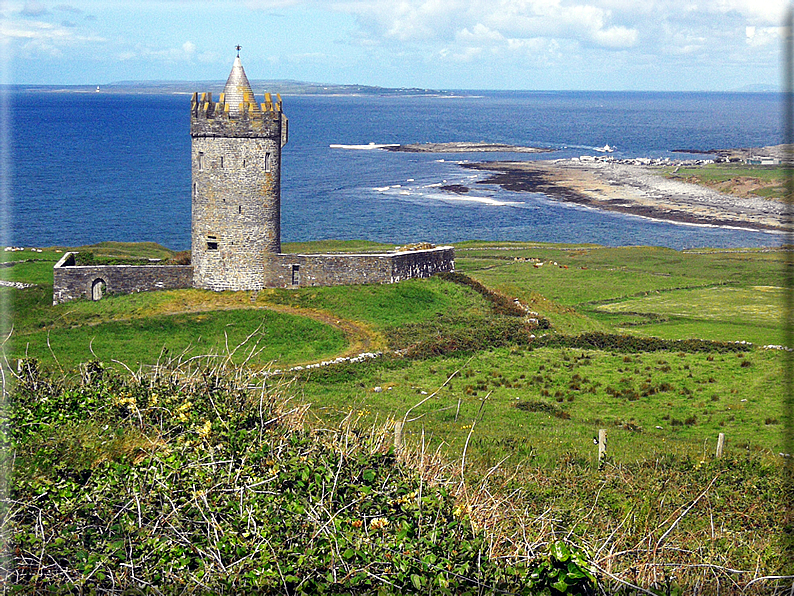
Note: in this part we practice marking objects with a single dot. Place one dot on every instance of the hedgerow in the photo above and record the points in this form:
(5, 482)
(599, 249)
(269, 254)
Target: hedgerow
(631, 343)
(450, 335)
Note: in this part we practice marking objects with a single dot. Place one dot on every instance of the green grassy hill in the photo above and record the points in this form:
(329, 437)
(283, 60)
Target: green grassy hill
(513, 399)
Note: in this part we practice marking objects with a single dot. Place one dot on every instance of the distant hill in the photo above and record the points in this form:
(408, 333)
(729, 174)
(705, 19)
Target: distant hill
(260, 86)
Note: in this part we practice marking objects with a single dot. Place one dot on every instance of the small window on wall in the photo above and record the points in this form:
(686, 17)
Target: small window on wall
(221, 163)
(268, 160)
(296, 275)
(200, 161)
(212, 243)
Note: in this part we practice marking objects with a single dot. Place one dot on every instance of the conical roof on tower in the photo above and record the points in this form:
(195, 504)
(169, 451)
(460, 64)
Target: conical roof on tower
(238, 90)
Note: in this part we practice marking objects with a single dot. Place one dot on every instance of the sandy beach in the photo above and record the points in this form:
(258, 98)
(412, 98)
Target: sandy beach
(635, 189)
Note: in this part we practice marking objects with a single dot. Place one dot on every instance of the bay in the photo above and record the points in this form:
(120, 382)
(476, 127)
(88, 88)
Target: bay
(92, 167)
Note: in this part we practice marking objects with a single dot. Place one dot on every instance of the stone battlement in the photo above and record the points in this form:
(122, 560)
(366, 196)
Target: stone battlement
(202, 106)
(245, 120)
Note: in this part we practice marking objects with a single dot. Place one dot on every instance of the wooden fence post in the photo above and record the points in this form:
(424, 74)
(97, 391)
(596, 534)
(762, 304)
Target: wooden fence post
(602, 446)
(398, 435)
(720, 445)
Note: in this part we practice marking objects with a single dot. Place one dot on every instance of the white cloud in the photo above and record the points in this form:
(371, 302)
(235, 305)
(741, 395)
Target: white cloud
(616, 37)
(763, 36)
(656, 26)
(185, 53)
(33, 8)
(479, 34)
(42, 38)
(505, 22)
(68, 8)
(491, 35)
(768, 12)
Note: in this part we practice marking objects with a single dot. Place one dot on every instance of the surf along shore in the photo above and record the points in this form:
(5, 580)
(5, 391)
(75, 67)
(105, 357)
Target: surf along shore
(635, 189)
(632, 186)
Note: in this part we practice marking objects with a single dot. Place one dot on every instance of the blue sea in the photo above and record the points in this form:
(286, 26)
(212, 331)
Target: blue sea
(89, 167)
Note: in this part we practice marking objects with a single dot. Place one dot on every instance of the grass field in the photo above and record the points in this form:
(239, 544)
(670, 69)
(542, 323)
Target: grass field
(767, 181)
(136, 328)
(470, 381)
(721, 295)
(539, 406)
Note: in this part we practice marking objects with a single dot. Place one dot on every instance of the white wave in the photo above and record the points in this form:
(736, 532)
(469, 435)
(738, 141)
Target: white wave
(367, 147)
(483, 200)
(418, 194)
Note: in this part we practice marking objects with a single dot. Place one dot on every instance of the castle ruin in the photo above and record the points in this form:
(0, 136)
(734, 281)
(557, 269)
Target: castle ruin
(236, 216)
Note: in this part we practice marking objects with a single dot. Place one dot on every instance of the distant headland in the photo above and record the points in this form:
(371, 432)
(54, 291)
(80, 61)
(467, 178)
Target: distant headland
(283, 87)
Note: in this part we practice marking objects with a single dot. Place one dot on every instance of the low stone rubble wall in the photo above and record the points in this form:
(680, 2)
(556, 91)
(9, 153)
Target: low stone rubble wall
(71, 281)
(296, 270)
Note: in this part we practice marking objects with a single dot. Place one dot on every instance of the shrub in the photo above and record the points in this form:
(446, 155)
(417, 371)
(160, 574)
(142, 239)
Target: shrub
(545, 407)
(629, 343)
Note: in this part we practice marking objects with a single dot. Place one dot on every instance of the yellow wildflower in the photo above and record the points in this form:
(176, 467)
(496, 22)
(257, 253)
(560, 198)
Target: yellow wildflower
(205, 429)
(462, 511)
(378, 523)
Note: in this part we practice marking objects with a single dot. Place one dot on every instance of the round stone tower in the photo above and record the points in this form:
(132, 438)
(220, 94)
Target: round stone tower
(236, 162)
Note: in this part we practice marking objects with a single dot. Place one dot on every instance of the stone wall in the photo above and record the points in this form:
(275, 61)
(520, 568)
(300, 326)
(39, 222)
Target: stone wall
(296, 270)
(71, 282)
(422, 263)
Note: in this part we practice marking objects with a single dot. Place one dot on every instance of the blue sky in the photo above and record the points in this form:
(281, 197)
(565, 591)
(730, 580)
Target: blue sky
(677, 45)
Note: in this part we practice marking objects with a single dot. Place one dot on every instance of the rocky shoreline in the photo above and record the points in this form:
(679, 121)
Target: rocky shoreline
(637, 190)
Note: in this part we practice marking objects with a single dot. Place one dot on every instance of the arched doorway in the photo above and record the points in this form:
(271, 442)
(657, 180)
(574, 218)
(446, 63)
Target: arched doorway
(98, 288)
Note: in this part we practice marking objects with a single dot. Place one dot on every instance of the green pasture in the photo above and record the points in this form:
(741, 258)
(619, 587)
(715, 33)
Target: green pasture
(321, 246)
(135, 328)
(537, 406)
(524, 414)
(774, 176)
(723, 313)
(727, 295)
(722, 295)
(719, 172)
(268, 337)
